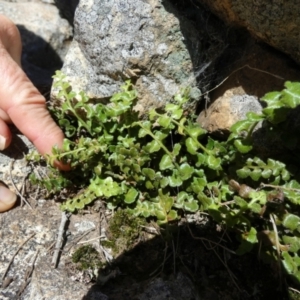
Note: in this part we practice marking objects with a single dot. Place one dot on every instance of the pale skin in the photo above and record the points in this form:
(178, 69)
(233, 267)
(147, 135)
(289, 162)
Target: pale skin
(21, 104)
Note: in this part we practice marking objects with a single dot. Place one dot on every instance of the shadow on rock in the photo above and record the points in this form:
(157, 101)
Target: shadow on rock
(186, 262)
(39, 59)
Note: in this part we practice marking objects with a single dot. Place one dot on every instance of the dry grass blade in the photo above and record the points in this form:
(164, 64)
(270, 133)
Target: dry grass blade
(17, 251)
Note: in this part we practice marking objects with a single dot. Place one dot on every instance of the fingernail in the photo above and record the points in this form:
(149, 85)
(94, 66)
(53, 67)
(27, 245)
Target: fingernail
(2, 142)
(7, 198)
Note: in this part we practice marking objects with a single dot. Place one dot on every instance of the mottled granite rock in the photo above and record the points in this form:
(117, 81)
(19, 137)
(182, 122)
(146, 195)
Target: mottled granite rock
(150, 42)
(274, 22)
(40, 226)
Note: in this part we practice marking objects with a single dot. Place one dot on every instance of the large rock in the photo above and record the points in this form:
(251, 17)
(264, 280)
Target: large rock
(275, 22)
(149, 42)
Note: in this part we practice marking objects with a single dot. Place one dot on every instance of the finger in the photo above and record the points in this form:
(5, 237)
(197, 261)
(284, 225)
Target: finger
(26, 106)
(19, 99)
(7, 198)
(4, 116)
(11, 39)
(5, 135)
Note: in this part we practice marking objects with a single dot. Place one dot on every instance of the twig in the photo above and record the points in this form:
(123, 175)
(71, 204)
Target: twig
(50, 247)
(238, 69)
(36, 194)
(294, 290)
(263, 185)
(228, 270)
(59, 242)
(277, 245)
(11, 260)
(227, 202)
(78, 239)
(210, 242)
(12, 181)
(107, 256)
(97, 238)
(174, 257)
(164, 261)
(149, 229)
(28, 273)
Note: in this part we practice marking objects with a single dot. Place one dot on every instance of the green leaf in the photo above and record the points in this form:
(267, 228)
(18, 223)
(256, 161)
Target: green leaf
(149, 185)
(131, 196)
(241, 147)
(258, 196)
(240, 126)
(243, 173)
(165, 201)
(254, 117)
(285, 175)
(160, 135)
(186, 171)
(180, 199)
(175, 110)
(172, 215)
(145, 128)
(249, 238)
(166, 163)
(201, 159)
(240, 202)
(288, 263)
(164, 182)
(176, 150)
(181, 127)
(255, 207)
(160, 215)
(153, 146)
(291, 221)
(293, 242)
(164, 121)
(175, 179)
(213, 162)
(205, 201)
(271, 97)
(266, 173)
(198, 184)
(105, 187)
(255, 174)
(191, 206)
(150, 173)
(276, 113)
(195, 131)
(291, 95)
(192, 145)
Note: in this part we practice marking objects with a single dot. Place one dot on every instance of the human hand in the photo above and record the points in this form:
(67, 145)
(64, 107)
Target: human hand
(22, 104)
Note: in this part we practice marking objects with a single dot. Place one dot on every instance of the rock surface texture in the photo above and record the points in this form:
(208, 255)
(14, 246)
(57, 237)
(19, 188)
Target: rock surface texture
(274, 22)
(45, 37)
(149, 42)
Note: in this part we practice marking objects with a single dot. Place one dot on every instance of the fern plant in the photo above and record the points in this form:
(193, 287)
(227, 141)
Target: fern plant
(165, 165)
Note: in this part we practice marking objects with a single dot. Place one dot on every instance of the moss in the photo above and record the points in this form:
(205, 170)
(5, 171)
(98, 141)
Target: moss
(123, 231)
(86, 257)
